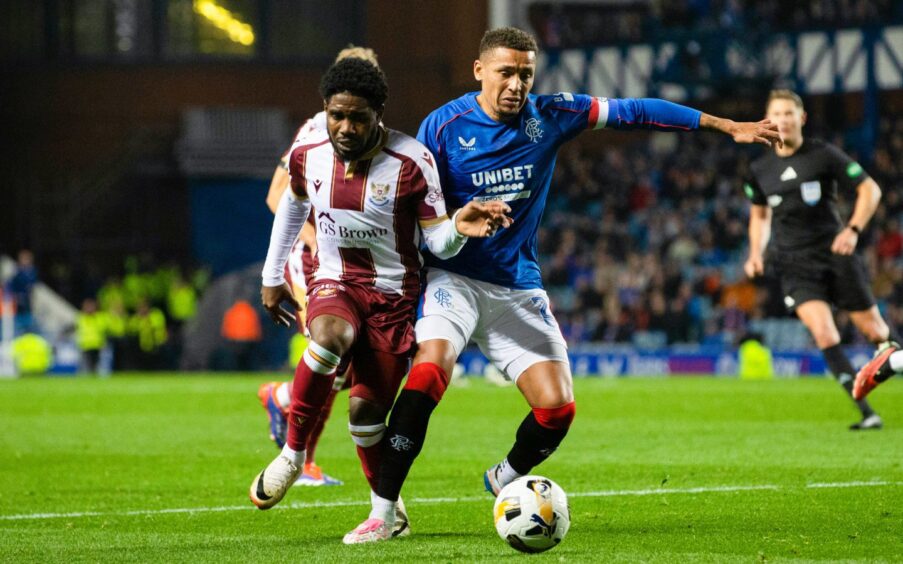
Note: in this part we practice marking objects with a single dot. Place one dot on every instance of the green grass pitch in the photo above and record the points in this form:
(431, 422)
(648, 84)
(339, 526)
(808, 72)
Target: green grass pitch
(157, 468)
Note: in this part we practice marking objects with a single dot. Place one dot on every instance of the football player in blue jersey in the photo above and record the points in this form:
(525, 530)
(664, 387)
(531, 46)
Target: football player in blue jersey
(501, 144)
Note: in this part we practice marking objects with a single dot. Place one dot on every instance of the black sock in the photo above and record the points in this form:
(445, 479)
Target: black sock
(843, 371)
(534, 443)
(886, 371)
(403, 440)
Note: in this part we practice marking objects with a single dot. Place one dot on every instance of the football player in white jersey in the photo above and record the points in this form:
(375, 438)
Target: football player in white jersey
(375, 196)
(500, 144)
(275, 397)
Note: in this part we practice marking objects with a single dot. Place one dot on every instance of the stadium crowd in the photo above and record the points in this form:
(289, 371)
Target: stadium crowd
(569, 25)
(644, 242)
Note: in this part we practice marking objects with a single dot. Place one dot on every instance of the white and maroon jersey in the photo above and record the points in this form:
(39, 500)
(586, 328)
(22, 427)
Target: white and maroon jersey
(299, 267)
(367, 211)
(310, 127)
(300, 261)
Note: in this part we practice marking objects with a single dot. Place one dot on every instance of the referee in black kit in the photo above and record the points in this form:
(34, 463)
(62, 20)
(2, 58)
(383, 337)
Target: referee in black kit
(814, 250)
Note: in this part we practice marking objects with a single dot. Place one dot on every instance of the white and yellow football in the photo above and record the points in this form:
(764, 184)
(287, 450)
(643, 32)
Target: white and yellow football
(531, 514)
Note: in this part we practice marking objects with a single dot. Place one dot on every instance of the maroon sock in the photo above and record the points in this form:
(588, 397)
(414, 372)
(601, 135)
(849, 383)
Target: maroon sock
(310, 391)
(371, 458)
(317, 429)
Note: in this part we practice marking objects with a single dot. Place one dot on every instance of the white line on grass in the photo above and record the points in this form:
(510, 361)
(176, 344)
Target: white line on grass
(426, 500)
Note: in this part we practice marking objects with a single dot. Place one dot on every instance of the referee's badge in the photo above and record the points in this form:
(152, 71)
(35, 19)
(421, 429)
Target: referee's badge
(811, 192)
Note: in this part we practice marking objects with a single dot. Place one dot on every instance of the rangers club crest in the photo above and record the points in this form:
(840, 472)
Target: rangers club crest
(379, 193)
(533, 129)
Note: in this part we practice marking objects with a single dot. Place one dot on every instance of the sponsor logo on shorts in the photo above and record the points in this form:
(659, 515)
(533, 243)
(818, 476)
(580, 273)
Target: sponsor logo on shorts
(328, 291)
(775, 200)
(789, 301)
(543, 306)
(443, 297)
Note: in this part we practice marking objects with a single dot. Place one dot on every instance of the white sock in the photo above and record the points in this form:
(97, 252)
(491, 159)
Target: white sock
(296, 456)
(382, 509)
(506, 473)
(283, 398)
(896, 361)
(320, 359)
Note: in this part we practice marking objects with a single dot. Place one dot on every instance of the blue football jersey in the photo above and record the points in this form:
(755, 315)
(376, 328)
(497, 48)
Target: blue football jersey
(481, 159)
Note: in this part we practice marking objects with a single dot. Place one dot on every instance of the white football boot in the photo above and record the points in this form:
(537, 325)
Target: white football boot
(270, 486)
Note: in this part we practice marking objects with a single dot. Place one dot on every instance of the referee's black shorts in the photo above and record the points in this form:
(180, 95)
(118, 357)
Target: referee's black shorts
(822, 275)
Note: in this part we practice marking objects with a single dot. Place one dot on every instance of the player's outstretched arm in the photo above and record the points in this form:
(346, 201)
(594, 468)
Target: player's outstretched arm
(662, 115)
(290, 216)
(763, 132)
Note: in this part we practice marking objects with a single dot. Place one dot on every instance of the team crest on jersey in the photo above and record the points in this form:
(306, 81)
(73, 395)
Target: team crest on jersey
(379, 193)
(811, 192)
(533, 129)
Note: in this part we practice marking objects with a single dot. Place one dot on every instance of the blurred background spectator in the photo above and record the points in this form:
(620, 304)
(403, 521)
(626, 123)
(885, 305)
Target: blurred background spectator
(164, 128)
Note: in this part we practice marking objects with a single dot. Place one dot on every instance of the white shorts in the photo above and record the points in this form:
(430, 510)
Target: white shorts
(515, 329)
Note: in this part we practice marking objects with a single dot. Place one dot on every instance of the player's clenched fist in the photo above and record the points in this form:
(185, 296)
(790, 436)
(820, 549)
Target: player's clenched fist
(754, 266)
(482, 219)
(272, 297)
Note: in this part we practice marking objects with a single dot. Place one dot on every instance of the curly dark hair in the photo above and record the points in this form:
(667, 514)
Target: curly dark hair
(509, 38)
(359, 77)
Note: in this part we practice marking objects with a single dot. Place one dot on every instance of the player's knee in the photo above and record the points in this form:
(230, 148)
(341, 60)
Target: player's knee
(558, 418)
(367, 435)
(332, 333)
(825, 337)
(320, 359)
(876, 331)
(365, 412)
(428, 378)
(437, 351)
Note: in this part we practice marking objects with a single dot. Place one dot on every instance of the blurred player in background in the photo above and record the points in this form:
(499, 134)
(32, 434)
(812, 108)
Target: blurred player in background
(276, 396)
(375, 195)
(887, 362)
(500, 144)
(795, 187)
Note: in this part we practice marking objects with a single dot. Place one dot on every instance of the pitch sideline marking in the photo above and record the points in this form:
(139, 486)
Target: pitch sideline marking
(427, 500)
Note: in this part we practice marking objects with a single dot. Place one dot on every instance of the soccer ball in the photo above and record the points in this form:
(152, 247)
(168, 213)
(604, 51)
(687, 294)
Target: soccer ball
(532, 514)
